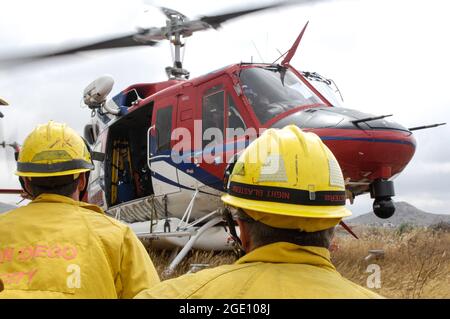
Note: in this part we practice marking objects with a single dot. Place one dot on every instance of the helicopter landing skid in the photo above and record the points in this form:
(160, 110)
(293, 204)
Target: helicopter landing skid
(180, 256)
(202, 234)
(147, 220)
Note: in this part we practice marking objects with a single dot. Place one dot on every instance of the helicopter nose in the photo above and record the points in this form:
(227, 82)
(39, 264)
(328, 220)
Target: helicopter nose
(370, 153)
(338, 117)
(366, 146)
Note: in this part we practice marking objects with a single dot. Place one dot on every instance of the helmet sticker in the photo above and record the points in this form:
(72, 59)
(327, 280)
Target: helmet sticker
(336, 178)
(273, 169)
(239, 169)
(58, 155)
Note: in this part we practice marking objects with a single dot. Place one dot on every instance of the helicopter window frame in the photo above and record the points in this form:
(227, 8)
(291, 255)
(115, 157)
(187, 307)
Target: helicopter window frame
(95, 174)
(214, 89)
(206, 116)
(167, 129)
(253, 89)
(231, 104)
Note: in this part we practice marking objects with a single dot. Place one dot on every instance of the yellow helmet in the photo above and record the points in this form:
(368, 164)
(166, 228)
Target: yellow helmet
(288, 178)
(53, 149)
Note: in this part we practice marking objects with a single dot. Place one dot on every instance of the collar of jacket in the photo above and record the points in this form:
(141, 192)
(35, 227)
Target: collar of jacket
(53, 198)
(283, 252)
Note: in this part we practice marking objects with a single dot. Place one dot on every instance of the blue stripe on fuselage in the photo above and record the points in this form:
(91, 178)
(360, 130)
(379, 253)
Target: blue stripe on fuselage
(212, 181)
(365, 139)
(198, 173)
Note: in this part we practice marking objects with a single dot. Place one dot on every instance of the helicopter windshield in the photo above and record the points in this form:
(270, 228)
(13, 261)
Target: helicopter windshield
(272, 91)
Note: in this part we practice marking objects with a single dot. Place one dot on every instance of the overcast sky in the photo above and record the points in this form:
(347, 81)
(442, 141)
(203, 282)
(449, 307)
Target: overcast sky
(386, 56)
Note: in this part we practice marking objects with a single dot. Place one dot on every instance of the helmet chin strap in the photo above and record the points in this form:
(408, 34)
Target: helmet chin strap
(228, 218)
(87, 174)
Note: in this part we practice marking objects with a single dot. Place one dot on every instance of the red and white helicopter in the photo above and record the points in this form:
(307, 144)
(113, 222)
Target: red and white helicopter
(171, 194)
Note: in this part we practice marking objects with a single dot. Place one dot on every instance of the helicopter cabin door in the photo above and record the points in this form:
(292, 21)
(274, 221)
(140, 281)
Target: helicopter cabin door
(164, 171)
(220, 114)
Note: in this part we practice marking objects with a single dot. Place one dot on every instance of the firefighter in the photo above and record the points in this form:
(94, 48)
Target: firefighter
(287, 194)
(60, 247)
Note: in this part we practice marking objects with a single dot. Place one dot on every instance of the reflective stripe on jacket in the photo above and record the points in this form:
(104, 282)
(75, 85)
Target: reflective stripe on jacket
(56, 247)
(279, 270)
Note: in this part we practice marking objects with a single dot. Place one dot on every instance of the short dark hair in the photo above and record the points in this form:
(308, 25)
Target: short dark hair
(262, 234)
(59, 185)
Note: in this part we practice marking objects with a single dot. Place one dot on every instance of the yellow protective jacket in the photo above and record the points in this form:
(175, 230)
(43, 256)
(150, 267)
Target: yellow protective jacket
(280, 270)
(56, 247)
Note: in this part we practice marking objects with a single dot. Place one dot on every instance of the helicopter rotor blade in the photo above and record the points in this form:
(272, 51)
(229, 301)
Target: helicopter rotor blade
(151, 36)
(114, 43)
(216, 20)
(130, 40)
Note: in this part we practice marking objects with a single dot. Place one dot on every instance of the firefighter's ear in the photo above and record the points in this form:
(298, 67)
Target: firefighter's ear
(244, 235)
(82, 182)
(25, 182)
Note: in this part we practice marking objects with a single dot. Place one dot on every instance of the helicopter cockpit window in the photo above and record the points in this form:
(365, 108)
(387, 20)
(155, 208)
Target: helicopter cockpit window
(164, 128)
(326, 87)
(236, 123)
(212, 115)
(272, 91)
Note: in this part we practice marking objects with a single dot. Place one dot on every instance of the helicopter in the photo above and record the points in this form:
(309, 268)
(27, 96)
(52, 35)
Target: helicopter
(174, 198)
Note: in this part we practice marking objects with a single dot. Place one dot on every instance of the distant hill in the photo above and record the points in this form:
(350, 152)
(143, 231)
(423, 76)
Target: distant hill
(404, 213)
(5, 207)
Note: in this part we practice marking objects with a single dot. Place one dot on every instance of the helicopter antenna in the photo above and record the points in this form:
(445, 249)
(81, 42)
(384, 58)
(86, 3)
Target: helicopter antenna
(426, 127)
(294, 47)
(337, 90)
(257, 51)
(281, 55)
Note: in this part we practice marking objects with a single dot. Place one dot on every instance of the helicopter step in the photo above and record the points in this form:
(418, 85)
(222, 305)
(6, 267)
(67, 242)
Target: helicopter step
(139, 210)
